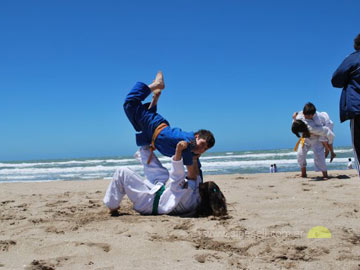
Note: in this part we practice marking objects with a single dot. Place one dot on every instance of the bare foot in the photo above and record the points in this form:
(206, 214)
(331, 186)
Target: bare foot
(156, 87)
(158, 83)
(332, 156)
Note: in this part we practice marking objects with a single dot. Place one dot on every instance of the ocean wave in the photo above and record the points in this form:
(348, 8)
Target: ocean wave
(212, 163)
(30, 171)
(61, 163)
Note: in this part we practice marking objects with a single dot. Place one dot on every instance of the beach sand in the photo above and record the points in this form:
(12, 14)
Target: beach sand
(64, 225)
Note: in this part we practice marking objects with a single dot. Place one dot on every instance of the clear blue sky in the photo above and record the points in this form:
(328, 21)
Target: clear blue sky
(238, 68)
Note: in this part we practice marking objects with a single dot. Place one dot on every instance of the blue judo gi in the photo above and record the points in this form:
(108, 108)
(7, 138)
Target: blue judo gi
(146, 121)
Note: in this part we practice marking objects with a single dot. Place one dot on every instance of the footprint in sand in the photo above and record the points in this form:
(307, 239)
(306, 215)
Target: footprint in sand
(103, 246)
(47, 264)
(5, 244)
(202, 258)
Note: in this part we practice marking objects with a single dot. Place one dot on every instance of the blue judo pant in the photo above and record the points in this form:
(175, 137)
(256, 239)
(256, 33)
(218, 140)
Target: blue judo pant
(143, 120)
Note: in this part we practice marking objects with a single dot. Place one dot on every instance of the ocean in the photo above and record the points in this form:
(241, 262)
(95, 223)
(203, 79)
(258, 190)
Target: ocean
(212, 163)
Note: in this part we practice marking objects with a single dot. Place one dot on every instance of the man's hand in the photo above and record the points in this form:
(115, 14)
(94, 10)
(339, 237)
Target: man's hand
(181, 146)
(294, 115)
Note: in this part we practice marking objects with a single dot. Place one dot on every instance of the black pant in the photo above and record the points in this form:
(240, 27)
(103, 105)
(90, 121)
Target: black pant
(355, 137)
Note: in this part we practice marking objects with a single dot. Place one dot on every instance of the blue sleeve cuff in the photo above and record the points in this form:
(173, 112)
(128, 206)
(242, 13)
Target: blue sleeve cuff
(187, 157)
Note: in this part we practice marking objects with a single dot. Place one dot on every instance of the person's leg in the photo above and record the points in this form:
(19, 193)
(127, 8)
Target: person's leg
(325, 175)
(142, 119)
(115, 192)
(301, 158)
(155, 172)
(125, 182)
(303, 172)
(156, 89)
(327, 149)
(319, 158)
(355, 138)
(332, 153)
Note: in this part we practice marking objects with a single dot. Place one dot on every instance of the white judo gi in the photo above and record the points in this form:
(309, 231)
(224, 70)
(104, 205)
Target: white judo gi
(323, 119)
(320, 124)
(317, 147)
(179, 197)
(319, 133)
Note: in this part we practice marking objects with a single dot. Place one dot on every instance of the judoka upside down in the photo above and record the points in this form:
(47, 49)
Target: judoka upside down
(164, 192)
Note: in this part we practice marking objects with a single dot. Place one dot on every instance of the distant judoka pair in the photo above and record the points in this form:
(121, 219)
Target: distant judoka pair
(315, 126)
(317, 134)
(163, 192)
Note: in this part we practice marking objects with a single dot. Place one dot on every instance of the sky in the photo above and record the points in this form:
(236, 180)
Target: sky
(237, 68)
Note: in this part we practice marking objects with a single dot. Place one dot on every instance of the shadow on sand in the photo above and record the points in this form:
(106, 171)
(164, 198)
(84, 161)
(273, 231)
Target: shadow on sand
(341, 176)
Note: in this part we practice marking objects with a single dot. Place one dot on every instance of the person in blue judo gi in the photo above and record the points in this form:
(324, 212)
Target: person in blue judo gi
(154, 130)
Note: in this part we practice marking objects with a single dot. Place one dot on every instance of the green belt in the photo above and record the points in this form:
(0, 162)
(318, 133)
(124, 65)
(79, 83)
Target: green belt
(157, 199)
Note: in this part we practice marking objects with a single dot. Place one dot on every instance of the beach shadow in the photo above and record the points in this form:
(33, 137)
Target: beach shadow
(331, 177)
(342, 176)
(119, 214)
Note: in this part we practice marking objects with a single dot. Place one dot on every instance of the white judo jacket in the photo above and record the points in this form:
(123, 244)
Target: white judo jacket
(179, 197)
(320, 125)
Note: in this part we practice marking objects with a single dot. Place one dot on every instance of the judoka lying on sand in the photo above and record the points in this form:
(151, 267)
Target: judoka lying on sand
(163, 192)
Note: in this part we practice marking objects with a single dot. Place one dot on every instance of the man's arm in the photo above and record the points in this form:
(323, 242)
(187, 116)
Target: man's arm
(192, 172)
(194, 168)
(180, 147)
(341, 76)
(177, 172)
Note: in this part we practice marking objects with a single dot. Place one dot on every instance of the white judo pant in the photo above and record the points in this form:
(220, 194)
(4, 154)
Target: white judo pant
(316, 146)
(140, 191)
(126, 182)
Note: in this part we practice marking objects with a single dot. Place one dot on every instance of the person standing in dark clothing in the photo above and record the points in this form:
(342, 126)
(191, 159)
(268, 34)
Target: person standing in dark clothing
(347, 77)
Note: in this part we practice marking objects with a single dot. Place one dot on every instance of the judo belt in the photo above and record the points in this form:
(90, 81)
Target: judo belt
(157, 199)
(154, 137)
(302, 139)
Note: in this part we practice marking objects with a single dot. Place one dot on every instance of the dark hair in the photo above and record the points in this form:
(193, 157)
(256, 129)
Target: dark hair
(299, 126)
(357, 43)
(309, 109)
(206, 135)
(212, 202)
(349, 159)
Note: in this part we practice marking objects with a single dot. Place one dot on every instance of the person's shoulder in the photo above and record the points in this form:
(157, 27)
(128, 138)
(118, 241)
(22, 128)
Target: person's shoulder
(322, 115)
(354, 56)
(300, 116)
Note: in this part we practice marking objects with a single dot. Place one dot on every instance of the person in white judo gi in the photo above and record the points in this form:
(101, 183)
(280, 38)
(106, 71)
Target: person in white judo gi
(317, 119)
(310, 139)
(164, 192)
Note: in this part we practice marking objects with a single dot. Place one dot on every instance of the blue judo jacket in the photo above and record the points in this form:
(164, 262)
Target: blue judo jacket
(347, 77)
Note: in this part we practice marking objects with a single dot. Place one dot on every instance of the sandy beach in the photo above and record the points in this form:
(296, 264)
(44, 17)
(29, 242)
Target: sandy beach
(64, 225)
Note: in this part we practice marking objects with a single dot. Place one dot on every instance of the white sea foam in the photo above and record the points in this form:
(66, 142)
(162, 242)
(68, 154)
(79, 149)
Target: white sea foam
(229, 162)
(98, 168)
(60, 163)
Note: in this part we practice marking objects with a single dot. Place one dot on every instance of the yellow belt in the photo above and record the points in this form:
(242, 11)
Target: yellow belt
(302, 139)
(154, 137)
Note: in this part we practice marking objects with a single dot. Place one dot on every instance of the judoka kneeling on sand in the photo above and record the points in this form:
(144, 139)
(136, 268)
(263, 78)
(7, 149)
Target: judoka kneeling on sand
(164, 192)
